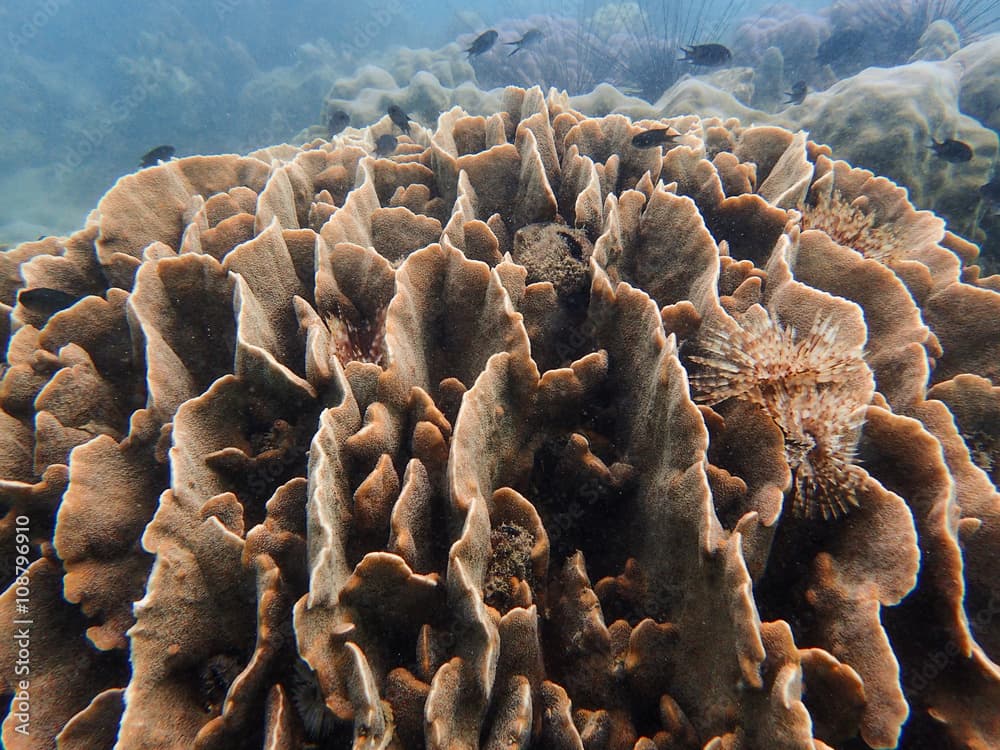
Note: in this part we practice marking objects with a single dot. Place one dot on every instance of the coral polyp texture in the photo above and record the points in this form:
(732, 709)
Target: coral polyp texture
(520, 436)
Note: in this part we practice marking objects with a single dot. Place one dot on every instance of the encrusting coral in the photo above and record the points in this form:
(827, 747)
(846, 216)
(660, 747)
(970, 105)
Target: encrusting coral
(498, 441)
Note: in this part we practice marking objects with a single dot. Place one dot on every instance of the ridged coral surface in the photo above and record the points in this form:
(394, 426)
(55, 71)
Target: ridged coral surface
(520, 436)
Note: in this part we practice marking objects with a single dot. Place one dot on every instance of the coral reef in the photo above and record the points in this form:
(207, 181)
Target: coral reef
(850, 35)
(647, 41)
(938, 42)
(884, 119)
(634, 46)
(796, 34)
(521, 435)
(978, 95)
(890, 32)
(880, 119)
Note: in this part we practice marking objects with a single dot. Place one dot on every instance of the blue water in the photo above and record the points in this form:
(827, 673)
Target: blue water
(86, 88)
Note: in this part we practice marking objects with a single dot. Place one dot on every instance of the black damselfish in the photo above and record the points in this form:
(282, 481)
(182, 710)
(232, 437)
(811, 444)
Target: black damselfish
(483, 43)
(155, 155)
(655, 137)
(798, 93)
(47, 301)
(399, 117)
(707, 55)
(386, 144)
(530, 39)
(336, 121)
(952, 151)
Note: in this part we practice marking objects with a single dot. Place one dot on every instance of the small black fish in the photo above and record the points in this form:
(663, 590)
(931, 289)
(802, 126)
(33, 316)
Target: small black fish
(530, 39)
(708, 55)
(398, 116)
(155, 155)
(386, 144)
(336, 121)
(47, 301)
(798, 92)
(952, 151)
(653, 138)
(483, 43)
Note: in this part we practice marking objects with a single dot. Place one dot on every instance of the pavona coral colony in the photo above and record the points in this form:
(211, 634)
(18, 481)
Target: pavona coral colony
(518, 435)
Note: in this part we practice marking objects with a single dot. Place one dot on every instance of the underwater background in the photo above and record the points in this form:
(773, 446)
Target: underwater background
(85, 89)
(592, 375)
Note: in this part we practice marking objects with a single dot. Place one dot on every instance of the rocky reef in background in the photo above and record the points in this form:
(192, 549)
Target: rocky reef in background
(518, 435)
(882, 119)
(176, 84)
